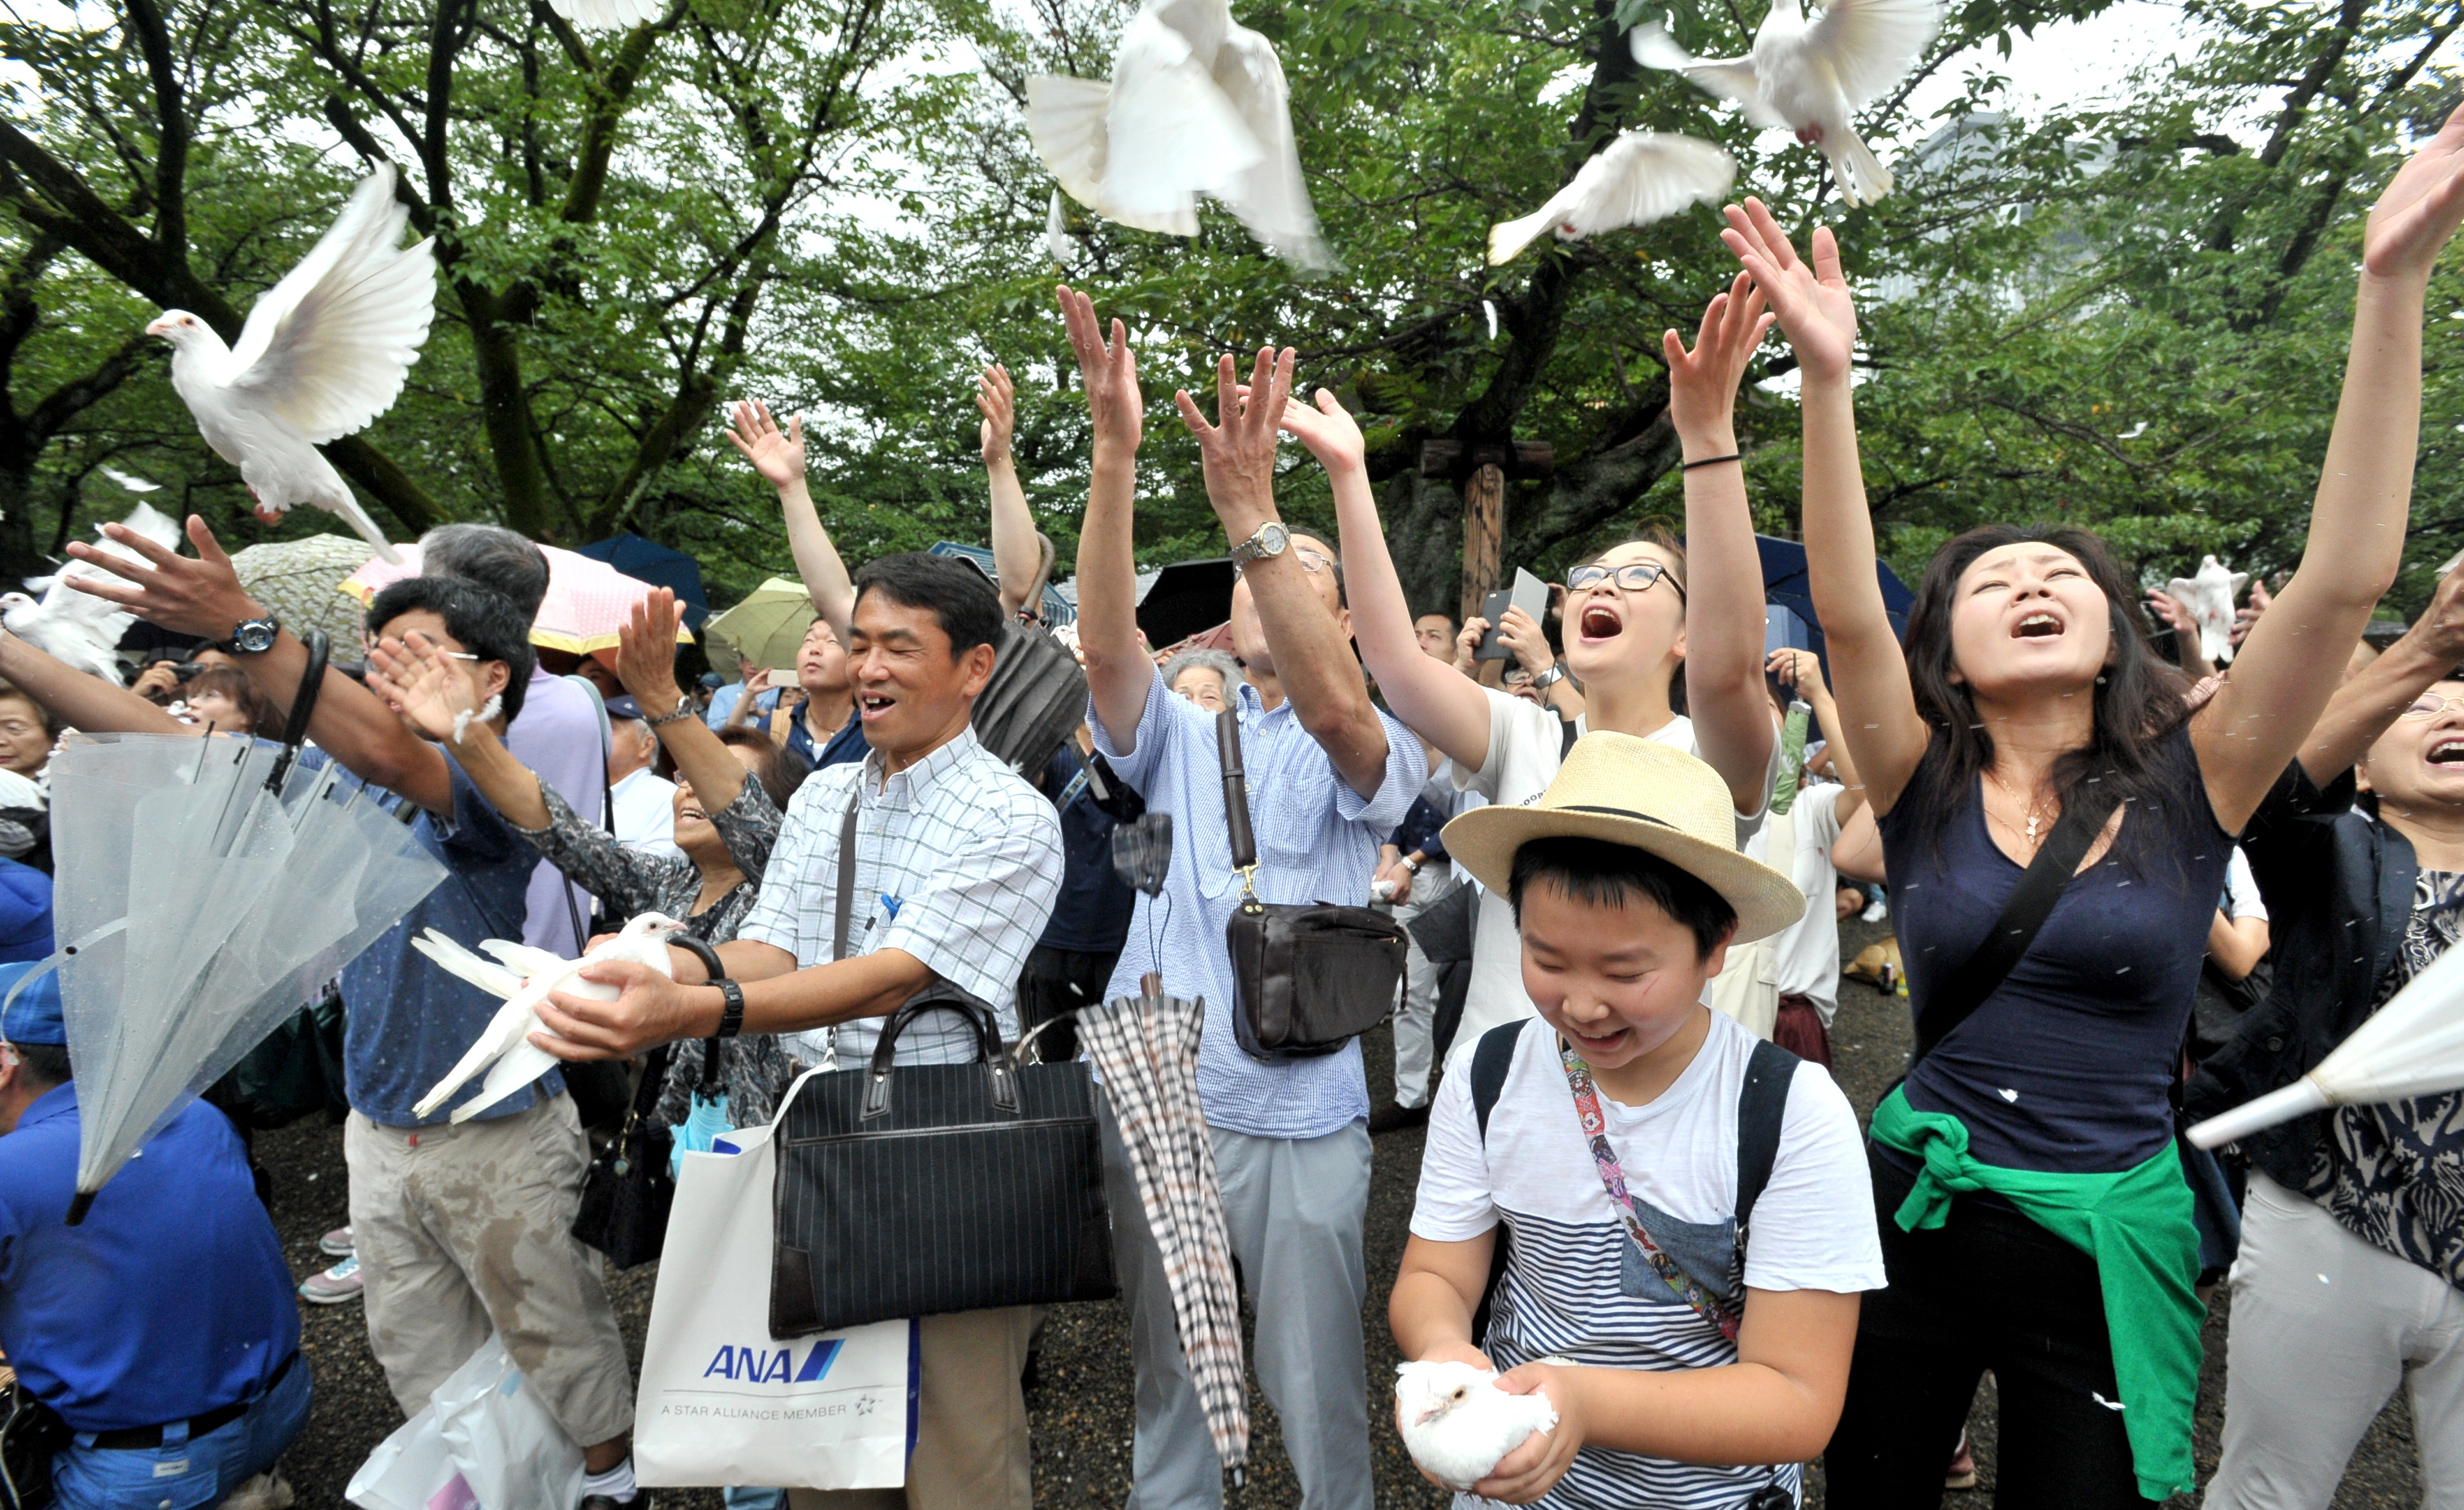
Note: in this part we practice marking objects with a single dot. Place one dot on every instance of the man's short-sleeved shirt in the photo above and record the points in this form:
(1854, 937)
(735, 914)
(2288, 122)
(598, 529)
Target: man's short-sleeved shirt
(1317, 842)
(170, 1299)
(958, 862)
(407, 1023)
(557, 735)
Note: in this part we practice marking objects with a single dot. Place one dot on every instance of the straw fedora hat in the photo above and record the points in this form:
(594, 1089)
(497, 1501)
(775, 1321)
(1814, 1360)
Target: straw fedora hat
(1653, 797)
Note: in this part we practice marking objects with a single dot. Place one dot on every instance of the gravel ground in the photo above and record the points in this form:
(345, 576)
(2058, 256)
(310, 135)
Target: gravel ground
(1082, 1401)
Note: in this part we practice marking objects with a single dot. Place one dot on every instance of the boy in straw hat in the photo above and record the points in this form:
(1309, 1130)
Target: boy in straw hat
(1622, 1138)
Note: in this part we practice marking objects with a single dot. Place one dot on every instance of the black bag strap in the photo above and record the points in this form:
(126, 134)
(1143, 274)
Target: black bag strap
(1762, 1107)
(1491, 1059)
(846, 873)
(2016, 927)
(1236, 790)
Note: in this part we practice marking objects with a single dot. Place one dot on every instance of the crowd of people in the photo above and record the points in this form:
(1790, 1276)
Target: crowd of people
(1621, 849)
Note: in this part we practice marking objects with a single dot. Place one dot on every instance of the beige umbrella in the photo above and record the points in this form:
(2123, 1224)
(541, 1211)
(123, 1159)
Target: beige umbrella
(767, 628)
(301, 581)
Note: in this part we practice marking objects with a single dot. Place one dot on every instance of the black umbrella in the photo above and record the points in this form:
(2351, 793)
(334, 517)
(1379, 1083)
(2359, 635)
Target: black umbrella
(1185, 597)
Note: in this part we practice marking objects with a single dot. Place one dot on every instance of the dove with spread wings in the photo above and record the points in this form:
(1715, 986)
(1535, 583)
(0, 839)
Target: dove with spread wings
(1809, 78)
(1197, 105)
(79, 628)
(324, 352)
(1640, 176)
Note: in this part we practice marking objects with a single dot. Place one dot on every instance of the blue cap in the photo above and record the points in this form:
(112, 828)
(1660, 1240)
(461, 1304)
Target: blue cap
(35, 1017)
(623, 706)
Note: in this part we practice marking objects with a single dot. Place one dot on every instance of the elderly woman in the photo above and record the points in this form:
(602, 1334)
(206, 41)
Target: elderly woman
(1207, 678)
(730, 789)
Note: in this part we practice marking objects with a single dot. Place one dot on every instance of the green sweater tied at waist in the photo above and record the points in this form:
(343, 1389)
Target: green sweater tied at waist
(2137, 1226)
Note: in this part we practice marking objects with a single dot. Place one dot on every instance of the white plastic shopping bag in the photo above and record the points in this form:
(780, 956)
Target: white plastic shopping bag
(483, 1442)
(721, 1401)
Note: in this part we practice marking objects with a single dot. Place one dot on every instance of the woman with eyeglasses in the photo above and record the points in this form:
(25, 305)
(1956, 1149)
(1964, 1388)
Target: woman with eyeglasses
(2034, 1213)
(1628, 635)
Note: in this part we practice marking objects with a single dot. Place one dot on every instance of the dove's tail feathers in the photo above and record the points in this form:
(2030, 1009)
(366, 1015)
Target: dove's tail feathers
(521, 1064)
(459, 962)
(358, 520)
(1863, 177)
(1508, 238)
(1654, 48)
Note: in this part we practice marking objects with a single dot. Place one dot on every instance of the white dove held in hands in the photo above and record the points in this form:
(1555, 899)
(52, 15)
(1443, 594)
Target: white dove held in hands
(2210, 596)
(1458, 1424)
(77, 628)
(1810, 79)
(1640, 176)
(524, 979)
(324, 352)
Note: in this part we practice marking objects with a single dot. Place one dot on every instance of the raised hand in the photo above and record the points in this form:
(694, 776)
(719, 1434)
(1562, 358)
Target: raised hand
(2173, 611)
(417, 680)
(778, 455)
(645, 651)
(1522, 635)
(1238, 451)
(1329, 430)
(1801, 669)
(2253, 605)
(995, 400)
(1702, 383)
(1110, 372)
(1466, 641)
(2420, 209)
(1812, 301)
(202, 597)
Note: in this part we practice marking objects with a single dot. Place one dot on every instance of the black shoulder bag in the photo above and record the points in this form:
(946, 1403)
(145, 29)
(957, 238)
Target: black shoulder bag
(1308, 978)
(2014, 928)
(626, 1191)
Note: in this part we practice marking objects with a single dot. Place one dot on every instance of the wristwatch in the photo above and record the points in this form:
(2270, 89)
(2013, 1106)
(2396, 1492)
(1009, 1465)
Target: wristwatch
(1272, 539)
(1411, 865)
(253, 636)
(1550, 677)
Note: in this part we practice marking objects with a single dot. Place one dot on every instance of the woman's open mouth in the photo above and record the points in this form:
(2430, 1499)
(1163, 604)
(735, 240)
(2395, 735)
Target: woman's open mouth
(1600, 622)
(2038, 626)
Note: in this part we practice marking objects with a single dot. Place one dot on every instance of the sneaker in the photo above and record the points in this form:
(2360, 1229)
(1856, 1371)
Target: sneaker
(336, 1243)
(1876, 912)
(335, 1285)
(1962, 1472)
(641, 1501)
(1395, 1119)
(267, 1490)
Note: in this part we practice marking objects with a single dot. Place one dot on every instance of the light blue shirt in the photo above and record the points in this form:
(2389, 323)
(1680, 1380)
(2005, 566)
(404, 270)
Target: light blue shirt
(724, 702)
(1317, 842)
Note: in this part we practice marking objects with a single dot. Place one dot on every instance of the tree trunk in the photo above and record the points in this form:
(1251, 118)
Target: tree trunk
(1483, 530)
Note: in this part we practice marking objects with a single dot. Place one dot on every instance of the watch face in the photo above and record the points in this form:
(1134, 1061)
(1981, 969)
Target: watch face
(1272, 537)
(254, 637)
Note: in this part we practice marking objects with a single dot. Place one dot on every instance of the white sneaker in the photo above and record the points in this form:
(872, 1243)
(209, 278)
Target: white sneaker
(333, 1286)
(1876, 910)
(267, 1490)
(337, 1244)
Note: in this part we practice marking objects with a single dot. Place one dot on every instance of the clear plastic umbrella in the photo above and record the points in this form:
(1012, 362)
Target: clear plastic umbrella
(207, 889)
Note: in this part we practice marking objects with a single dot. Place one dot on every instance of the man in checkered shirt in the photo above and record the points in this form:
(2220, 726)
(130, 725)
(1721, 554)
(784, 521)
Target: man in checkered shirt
(959, 861)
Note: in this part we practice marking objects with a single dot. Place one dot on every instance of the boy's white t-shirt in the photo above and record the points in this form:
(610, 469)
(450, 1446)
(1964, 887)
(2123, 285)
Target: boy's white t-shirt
(1525, 746)
(1809, 949)
(2241, 889)
(1576, 1285)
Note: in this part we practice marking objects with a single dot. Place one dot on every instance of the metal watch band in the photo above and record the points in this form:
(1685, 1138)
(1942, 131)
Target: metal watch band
(684, 705)
(1550, 677)
(730, 1019)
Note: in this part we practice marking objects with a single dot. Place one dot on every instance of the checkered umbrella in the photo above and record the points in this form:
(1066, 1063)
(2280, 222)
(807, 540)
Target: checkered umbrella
(1146, 1048)
(301, 581)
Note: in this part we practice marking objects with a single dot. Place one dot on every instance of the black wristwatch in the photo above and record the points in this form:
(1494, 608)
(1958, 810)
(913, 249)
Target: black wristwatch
(253, 636)
(730, 1018)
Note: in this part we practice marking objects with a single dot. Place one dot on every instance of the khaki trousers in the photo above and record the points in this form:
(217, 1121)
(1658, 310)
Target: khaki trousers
(971, 1445)
(465, 1230)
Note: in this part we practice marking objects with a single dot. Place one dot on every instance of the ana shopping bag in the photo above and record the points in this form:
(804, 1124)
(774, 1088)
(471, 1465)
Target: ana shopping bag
(483, 1442)
(721, 1401)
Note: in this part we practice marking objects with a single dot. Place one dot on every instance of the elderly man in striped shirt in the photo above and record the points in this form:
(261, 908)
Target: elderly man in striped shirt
(959, 861)
(1330, 776)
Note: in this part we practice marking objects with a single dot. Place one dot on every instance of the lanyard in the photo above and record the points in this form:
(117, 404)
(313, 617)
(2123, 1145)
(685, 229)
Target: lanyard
(1587, 1106)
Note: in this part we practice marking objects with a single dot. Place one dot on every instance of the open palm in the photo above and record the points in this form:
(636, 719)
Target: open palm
(776, 454)
(418, 681)
(2421, 208)
(994, 399)
(1810, 300)
(1329, 430)
(1110, 372)
(1702, 383)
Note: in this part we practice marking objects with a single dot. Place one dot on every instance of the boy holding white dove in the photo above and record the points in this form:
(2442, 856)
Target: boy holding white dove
(1685, 1209)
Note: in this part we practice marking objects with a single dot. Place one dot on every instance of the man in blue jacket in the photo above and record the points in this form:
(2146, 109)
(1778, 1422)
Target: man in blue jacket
(162, 1328)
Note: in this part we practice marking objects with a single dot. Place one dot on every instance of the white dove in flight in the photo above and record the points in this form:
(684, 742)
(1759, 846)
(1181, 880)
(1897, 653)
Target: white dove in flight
(77, 628)
(1197, 105)
(607, 16)
(524, 979)
(1056, 234)
(1458, 1424)
(1640, 176)
(323, 352)
(2209, 595)
(1809, 78)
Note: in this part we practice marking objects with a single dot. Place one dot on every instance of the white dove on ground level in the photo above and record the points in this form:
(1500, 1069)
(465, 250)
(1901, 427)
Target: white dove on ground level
(1197, 105)
(77, 627)
(323, 352)
(524, 979)
(1458, 1424)
(608, 14)
(1640, 176)
(1811, 78)
(2210, 596)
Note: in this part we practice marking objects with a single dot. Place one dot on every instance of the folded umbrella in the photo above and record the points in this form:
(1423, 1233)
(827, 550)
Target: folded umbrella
(2412, 1046)
(586, 603)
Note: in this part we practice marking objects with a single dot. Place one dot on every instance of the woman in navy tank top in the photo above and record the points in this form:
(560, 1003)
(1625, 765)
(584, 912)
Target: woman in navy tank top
(2034, 1214)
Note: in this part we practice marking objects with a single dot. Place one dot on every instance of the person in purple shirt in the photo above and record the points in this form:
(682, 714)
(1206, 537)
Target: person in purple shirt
(561, 732)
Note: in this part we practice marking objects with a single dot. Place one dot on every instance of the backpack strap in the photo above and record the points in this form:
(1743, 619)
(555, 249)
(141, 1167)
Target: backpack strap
(1762, 1107)
(1491, 1059)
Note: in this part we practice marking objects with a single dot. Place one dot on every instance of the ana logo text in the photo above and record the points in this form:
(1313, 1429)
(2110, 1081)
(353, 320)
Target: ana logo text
(771, 1365)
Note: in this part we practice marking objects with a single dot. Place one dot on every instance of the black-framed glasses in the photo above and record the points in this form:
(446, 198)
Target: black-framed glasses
(1633, 577)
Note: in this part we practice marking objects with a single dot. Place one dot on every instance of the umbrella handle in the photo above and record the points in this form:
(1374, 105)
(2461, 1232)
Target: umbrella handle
(2298, 1099)
(303, 706)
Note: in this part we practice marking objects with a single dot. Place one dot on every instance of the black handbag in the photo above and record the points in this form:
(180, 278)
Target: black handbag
(1308, 978)
(628, 1190)
(937, 1188)
(31, 1432)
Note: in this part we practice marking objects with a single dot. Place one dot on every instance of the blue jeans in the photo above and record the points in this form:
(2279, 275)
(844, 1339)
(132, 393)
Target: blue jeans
(185, 1473)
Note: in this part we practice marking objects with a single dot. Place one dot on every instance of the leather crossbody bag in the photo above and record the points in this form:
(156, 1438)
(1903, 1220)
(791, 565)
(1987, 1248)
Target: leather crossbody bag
(1307, 978)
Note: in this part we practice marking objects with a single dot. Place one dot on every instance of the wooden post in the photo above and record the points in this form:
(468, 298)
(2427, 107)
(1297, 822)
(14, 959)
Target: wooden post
(1483, 533)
